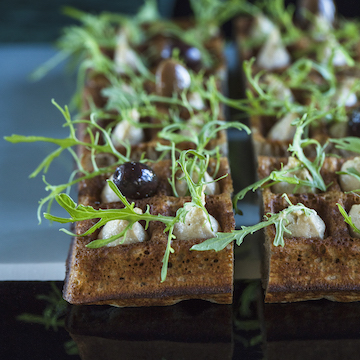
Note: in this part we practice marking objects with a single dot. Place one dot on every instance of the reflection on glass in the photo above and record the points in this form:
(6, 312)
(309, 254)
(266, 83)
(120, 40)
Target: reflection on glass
(319, 329)
(189, 330)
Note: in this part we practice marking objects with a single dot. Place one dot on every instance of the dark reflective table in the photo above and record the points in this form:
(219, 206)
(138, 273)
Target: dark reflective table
(37, 324)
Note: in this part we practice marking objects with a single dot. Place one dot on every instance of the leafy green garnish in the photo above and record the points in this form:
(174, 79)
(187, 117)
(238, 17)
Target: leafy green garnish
(297, 150)
(347, 218)
(200, 137)
(283, 17)
(81, 212)
(299, 143)
(71, 143)
(67, 143)
(279, 220)
(53, 314)
(349, 143)
(275, 177)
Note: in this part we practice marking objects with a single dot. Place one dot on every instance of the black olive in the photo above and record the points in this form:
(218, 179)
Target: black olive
(135, 180)
(187, 53)
(171, 77)
(354, 123)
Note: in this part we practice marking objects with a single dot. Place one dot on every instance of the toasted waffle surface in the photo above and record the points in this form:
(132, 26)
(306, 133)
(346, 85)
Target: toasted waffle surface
(129, 275)
(312, 268)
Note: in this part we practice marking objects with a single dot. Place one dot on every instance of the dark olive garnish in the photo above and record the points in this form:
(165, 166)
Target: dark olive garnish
(187, 53)
(171, 77)
(354, 123)
(135, 180)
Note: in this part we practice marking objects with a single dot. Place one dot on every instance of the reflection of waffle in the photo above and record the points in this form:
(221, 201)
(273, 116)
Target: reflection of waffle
(182, 331)
(129, 275)
(311, 330)
(306, 269)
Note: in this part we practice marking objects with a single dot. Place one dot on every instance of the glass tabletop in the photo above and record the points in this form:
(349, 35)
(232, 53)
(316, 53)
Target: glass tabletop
(37, 324)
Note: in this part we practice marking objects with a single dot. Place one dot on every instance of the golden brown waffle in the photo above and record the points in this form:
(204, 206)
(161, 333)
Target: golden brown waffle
(312, 268)
(129, 275)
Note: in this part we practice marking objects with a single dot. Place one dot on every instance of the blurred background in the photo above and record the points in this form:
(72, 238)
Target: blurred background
(42, 21)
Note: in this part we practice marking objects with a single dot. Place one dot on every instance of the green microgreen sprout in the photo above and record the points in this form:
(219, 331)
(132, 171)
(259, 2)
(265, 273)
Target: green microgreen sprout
(200, 137)
(260, 99)
(88, 45)
(297, 150)
(81, 212)
(347, 218)
(349, 143)
(70, 144)
(279, 220)
(351, 171)
(54, 312)
(283, 17)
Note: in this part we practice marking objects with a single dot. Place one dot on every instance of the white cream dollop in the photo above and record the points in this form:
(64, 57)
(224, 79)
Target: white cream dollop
(345, 94)
(354, 213)
(211, 188)
(261, 27)
(273, 54)
(350, 182)
(107, 194)
(124, 56)
(331, 47)
(196, 101)
(303, 174)
(136, 234)
(126, 131)
(196, 225)
(283, 130)
(307, 226)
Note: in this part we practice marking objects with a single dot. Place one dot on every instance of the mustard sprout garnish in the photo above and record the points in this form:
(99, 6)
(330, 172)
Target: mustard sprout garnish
(347, 218)
(297, 150)
(71, 143)
(279, 220)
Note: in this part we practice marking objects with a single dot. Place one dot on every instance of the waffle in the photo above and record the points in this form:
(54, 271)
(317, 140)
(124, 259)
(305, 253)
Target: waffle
(308, 45)
(129, 275)
(312, 268)
(152, 52)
